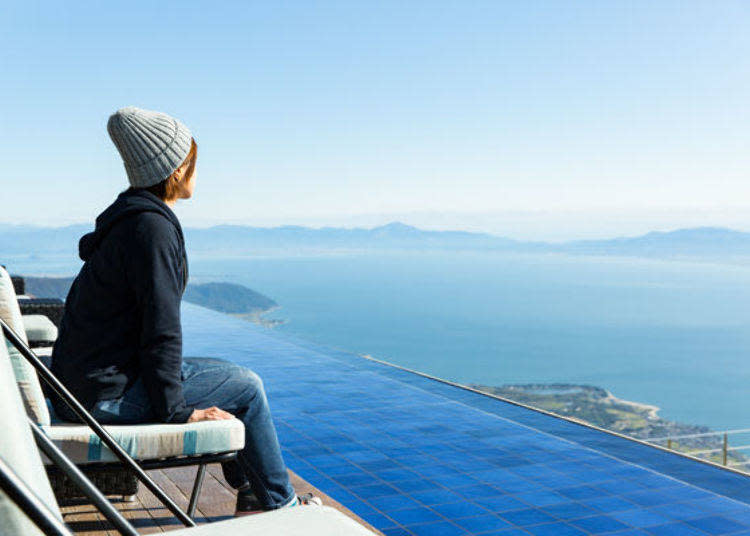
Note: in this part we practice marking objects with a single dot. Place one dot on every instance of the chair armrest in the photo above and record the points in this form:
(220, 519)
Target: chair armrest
(40, 331)
(52, 308)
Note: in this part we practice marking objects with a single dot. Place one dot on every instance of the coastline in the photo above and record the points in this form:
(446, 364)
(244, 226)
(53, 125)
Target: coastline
(256, 317)
(599, 407)
(651, 410)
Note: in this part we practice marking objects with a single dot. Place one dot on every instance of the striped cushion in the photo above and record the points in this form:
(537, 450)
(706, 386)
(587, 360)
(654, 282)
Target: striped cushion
(28, 382)
(148, 441)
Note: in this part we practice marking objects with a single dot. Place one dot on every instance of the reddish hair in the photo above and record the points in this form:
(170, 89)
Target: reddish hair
(167, 189)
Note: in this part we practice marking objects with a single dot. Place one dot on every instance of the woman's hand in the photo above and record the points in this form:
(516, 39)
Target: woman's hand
(209, 414)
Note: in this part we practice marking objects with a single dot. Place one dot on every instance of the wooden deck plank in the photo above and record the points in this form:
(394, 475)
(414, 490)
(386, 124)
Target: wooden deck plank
(84, 519)
(175, 493)
(214, 469)
(161, 516)
(139, 515)
(216, 503)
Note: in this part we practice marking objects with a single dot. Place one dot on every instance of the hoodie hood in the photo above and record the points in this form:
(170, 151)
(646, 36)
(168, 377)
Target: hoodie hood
(127, 203)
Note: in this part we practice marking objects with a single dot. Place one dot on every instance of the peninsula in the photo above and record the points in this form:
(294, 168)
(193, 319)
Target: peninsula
(597, 406)
(229, 298)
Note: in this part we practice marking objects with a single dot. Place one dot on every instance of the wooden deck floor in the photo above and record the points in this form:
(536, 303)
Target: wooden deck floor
(216, 503)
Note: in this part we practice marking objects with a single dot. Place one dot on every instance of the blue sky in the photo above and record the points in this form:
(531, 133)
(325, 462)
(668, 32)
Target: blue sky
(544, 119)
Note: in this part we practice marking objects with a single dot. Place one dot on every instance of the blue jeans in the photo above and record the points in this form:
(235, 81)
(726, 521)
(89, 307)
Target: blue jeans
(210, 382)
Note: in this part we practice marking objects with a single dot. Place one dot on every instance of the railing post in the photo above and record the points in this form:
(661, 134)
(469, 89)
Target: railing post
(726, 441)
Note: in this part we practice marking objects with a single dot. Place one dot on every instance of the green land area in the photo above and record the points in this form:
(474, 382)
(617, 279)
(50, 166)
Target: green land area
(597, 406)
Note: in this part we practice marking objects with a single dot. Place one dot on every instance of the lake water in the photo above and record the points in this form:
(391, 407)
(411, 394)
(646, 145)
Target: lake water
(672, 334)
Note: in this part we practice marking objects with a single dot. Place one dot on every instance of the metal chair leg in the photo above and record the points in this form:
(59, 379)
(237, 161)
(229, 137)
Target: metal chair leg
(196, 489)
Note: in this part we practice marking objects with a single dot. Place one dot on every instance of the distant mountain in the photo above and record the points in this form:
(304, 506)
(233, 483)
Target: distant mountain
(698, 242)
(48, 287)
(701, 242)
(234, 240)
(20, 239)
(242, 239)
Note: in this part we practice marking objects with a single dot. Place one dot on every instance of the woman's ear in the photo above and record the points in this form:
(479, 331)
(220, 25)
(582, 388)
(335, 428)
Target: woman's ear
(179, 173)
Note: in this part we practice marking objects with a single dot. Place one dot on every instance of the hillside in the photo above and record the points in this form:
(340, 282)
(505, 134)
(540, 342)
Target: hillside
(48, 287)
(228, 298)
(697, 242)
(223, 297)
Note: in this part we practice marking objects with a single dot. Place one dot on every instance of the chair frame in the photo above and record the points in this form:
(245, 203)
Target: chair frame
(125, 459)
(39, 513)
(96, 497)
(31, 505)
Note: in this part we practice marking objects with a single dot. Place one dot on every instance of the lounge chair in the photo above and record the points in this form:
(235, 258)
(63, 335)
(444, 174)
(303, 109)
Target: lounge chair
(51, 308)
(28, 506)
(39, 330)
(152, 445)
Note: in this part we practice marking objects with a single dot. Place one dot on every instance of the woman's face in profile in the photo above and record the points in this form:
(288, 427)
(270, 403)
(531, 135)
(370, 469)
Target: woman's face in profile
(187, 184)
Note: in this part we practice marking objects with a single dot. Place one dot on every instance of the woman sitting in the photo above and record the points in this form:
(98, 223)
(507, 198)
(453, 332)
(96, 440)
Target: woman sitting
(119, 348)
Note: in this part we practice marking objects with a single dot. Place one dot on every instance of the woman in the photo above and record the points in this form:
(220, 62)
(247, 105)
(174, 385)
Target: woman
(119, 348)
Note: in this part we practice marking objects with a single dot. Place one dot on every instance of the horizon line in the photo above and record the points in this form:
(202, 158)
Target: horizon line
(401, 223)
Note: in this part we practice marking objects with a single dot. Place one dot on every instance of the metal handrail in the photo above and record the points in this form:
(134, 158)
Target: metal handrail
(724, 450)
(31, 505)
(702, 434)
(98, 429)
(706, 451)
(81, 481)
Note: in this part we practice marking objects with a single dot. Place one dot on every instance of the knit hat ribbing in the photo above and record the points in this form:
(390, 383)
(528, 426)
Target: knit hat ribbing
(152, 144)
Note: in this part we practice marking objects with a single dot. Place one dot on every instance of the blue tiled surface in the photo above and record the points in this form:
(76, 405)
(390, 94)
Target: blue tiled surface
(414, 456)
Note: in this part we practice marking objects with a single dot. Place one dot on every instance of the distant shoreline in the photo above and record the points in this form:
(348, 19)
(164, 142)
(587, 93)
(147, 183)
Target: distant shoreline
(599, 407)
(650, 409)
(256, 317)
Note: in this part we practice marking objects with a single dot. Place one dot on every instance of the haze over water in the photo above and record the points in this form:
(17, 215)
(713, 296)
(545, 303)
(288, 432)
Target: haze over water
(673, 334)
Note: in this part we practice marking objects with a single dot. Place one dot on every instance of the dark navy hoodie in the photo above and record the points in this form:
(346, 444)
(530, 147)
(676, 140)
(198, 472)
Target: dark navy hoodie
(122, 313)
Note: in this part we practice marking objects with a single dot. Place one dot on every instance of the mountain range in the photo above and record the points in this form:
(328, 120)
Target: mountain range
(701, 242)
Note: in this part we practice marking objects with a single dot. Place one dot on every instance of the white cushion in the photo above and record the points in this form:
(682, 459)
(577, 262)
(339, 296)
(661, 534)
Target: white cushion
(44, 351)
(39, 328)
(28, 382)
(296, 521)
(148, 441)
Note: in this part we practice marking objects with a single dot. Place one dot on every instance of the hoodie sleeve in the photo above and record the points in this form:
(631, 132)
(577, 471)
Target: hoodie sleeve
(153, 262)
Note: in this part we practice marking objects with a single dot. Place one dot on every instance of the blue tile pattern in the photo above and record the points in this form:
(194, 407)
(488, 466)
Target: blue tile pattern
(415, 456)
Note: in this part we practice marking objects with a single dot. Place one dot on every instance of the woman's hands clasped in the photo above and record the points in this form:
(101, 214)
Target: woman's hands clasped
(209, 414)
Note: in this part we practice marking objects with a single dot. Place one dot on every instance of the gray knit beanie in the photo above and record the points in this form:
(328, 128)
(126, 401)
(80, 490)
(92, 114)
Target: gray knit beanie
(152, 144)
